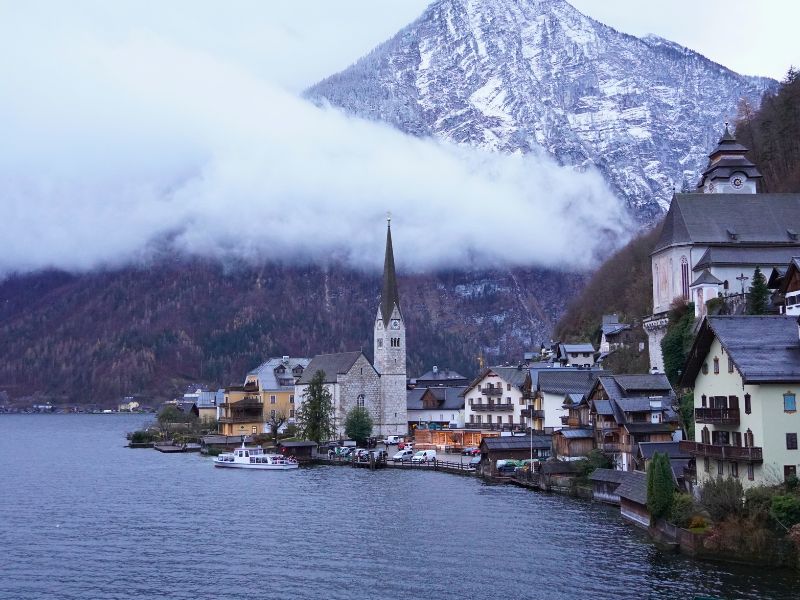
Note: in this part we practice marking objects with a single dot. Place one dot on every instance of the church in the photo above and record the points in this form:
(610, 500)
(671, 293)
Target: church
(712, 241)
(353, 381)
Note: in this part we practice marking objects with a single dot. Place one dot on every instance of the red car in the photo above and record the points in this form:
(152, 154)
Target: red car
(403, 445)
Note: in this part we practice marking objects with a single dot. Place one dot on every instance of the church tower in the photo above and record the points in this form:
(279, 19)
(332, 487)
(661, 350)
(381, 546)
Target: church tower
(390, 349)
(729, 171)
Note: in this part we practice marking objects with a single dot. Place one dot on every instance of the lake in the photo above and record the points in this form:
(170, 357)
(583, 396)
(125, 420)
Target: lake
(83, 517)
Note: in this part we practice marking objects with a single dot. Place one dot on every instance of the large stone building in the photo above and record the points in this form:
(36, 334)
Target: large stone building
(379, 387)
(712, 241)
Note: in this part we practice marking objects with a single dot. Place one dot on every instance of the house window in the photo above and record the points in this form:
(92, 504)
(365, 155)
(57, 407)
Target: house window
(789, 402)
(510, 419)
(707, 464)
(508, 387)
(488, 418)
(508, 399)
(789, 471)
(791, 441)
(748, 439)
(747, 408)
(272, 413)
(685, 277)
(730, 364)
(272, 399)
(472, 418)
(716, 366)
(734, 469)
(499, 420)
(360, 401)
(255, 429)
(750, 472)
(705, 368)
(720, 468)
(291, 413)
(291, 399)
(705, 436)
(703, 401)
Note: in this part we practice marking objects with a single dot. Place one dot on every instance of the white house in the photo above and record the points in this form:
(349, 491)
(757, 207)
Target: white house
(576, 355)
(745, 371)
(557, 388)
(497, 398)
(441, 405)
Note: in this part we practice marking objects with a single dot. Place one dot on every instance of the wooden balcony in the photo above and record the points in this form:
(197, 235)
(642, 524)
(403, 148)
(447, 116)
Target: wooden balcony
(719, 452)
(614, 447)
(717, 416)
(492, 391)
(494, 426)
(537, 414)
(492, 406)
(242, 419)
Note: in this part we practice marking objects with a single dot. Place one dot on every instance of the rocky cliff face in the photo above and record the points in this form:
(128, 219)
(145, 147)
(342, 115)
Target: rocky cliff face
(537, 75)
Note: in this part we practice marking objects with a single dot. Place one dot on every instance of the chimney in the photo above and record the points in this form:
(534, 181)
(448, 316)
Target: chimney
(435, 369)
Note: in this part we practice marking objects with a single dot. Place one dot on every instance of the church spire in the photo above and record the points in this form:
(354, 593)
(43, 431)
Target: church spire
(729, 170)
(389, 296)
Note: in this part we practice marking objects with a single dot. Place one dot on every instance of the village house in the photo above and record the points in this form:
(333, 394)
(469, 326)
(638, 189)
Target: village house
(440, 377)
(613, 334)
(442, 407)
(556, 389)
(628, 409)
(576, 355)
(605, 483)
(786, 284)
(573, 443)
(209, 405)
(496, 399)
(275, 379)
(514, 447)
(711, 242)
(632, 493)
(242, 411)
(745, 372)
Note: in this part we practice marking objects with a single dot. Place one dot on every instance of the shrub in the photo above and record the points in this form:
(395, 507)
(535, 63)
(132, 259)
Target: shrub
(786, 510)
(758, 502)
(722, 497)
(698, 522)
(142, 437)
(682, 509)
(791, 482)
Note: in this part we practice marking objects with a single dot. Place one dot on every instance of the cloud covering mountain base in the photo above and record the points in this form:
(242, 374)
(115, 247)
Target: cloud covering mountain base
(116, 148)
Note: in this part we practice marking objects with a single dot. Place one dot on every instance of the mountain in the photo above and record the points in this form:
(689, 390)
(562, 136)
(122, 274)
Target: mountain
(537, 75)
(96, 337)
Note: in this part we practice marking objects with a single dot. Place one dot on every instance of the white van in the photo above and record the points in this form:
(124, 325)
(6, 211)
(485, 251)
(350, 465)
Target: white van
(424, 456)
(392, 440)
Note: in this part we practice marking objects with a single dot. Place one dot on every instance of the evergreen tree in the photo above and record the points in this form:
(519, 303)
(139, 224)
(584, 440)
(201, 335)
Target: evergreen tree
(358, 425)
(315, 415)
(660, 486)
(678, 340)
(758, 296)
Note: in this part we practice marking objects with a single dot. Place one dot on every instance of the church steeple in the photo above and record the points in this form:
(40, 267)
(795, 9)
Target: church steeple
(389, 295)
(729, 171)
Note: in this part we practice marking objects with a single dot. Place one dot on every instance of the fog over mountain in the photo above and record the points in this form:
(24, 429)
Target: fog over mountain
(116, 149)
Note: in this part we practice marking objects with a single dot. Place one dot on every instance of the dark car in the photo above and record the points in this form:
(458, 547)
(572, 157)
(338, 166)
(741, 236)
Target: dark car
(507, 470)
(469, 451)
(474, 462)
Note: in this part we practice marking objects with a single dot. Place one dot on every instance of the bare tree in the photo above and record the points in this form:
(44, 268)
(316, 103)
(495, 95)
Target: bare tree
(275, 422)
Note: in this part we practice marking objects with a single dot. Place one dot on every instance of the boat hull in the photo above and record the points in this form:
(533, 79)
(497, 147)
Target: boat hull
(260, 467)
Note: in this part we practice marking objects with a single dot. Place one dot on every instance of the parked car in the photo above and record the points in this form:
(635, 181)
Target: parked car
(470, 451)
(404, 445)
(403, 455)
(360, 454)
(392, 440)
(424, 456)
(474, 462)
(507, 470)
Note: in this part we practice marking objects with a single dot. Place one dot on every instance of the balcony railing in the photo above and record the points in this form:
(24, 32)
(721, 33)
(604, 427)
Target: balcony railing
(492, 391)
(493, 406)
(494, 426)
(537, 414)
(744, 454)
(241, 419)
(720, 416)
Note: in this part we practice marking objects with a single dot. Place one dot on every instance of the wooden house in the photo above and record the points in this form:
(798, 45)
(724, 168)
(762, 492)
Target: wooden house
(605, 483)
(517, 447)
(573, 443)
(632, 492)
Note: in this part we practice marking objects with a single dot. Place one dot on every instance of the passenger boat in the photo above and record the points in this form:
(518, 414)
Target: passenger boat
(254, 457)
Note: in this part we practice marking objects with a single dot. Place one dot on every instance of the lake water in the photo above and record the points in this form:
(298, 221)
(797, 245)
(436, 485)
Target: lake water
(83, 517)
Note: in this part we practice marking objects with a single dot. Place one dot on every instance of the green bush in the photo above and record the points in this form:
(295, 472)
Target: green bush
(758, 502)
(722, 497)
(791, 482)
(786, 510)
(660, 486)
(682, 510)
(142, 437)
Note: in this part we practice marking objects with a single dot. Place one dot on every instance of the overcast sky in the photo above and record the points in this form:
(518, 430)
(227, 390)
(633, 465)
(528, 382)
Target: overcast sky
(125, 123)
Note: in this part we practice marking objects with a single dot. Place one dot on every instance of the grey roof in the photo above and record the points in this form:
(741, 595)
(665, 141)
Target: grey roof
(648, 427)
(516, 442)
(633, 487)
(636, 404)
(766, 258)
(765, 349)
(516, 376)
(573, 399)
(678, 466)
(331, 364)
(560, 467)
(390, 297)
(567, 381)
(671, 449)
(298, 444)
(706, 219)
(575, 434)
(572, 348)
(603, 407)
(210, 399)
(706, 278)
(609, 475)
(267, 377)
(448, 398)
(441, 375)
(728, 158)
(647, 382)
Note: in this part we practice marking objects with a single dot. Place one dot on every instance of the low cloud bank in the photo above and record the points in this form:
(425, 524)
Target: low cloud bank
(114, 148)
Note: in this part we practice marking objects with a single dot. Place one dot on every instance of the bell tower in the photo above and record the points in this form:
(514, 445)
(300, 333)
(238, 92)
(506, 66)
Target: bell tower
(390, 348)
(729, 171)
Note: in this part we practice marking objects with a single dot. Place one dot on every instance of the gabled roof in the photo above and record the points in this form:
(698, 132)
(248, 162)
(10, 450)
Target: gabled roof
(706, 219)
(608, 475)
(790, 275)
(331, 364)
(266, 371)
(764, 349)
(567, 381)
(575, 348)
(645, 382)
(516, 442)
(766, 258)
(441, 375)
(706, 278)
(447, 398)
(671, 449)
(633, 487)
(516, 376)
(575, 434)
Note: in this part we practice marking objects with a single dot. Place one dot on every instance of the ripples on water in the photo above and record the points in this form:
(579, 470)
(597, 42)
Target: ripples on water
(83, 517)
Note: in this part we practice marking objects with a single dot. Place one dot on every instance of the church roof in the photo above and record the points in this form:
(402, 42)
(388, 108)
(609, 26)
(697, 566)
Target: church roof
(777, 256)
(331, 364)
(706, 278)
(728, 158)
(710, 219)
(389, 295)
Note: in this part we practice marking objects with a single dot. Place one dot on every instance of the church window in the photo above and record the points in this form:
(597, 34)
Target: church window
(747, 406)
(685, 277)
(725, 285)
(508, 387)
(380, 343)
(360, 401)
(730, 364)
(716, 366)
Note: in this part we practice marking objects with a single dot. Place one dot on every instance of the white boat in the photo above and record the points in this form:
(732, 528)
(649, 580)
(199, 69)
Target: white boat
(254, 457)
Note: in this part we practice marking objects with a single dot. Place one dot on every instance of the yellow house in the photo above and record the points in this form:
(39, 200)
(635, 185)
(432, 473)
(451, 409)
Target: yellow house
(745, 371)
(268, 392)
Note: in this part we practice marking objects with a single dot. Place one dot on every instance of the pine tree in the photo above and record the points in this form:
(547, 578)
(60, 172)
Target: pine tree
(660, 486)
(758, 296)
(358, 425)
(315, 415)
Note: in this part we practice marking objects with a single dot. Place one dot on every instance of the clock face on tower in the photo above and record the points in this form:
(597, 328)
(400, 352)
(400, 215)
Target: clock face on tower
(395, 324)
(737, 182)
